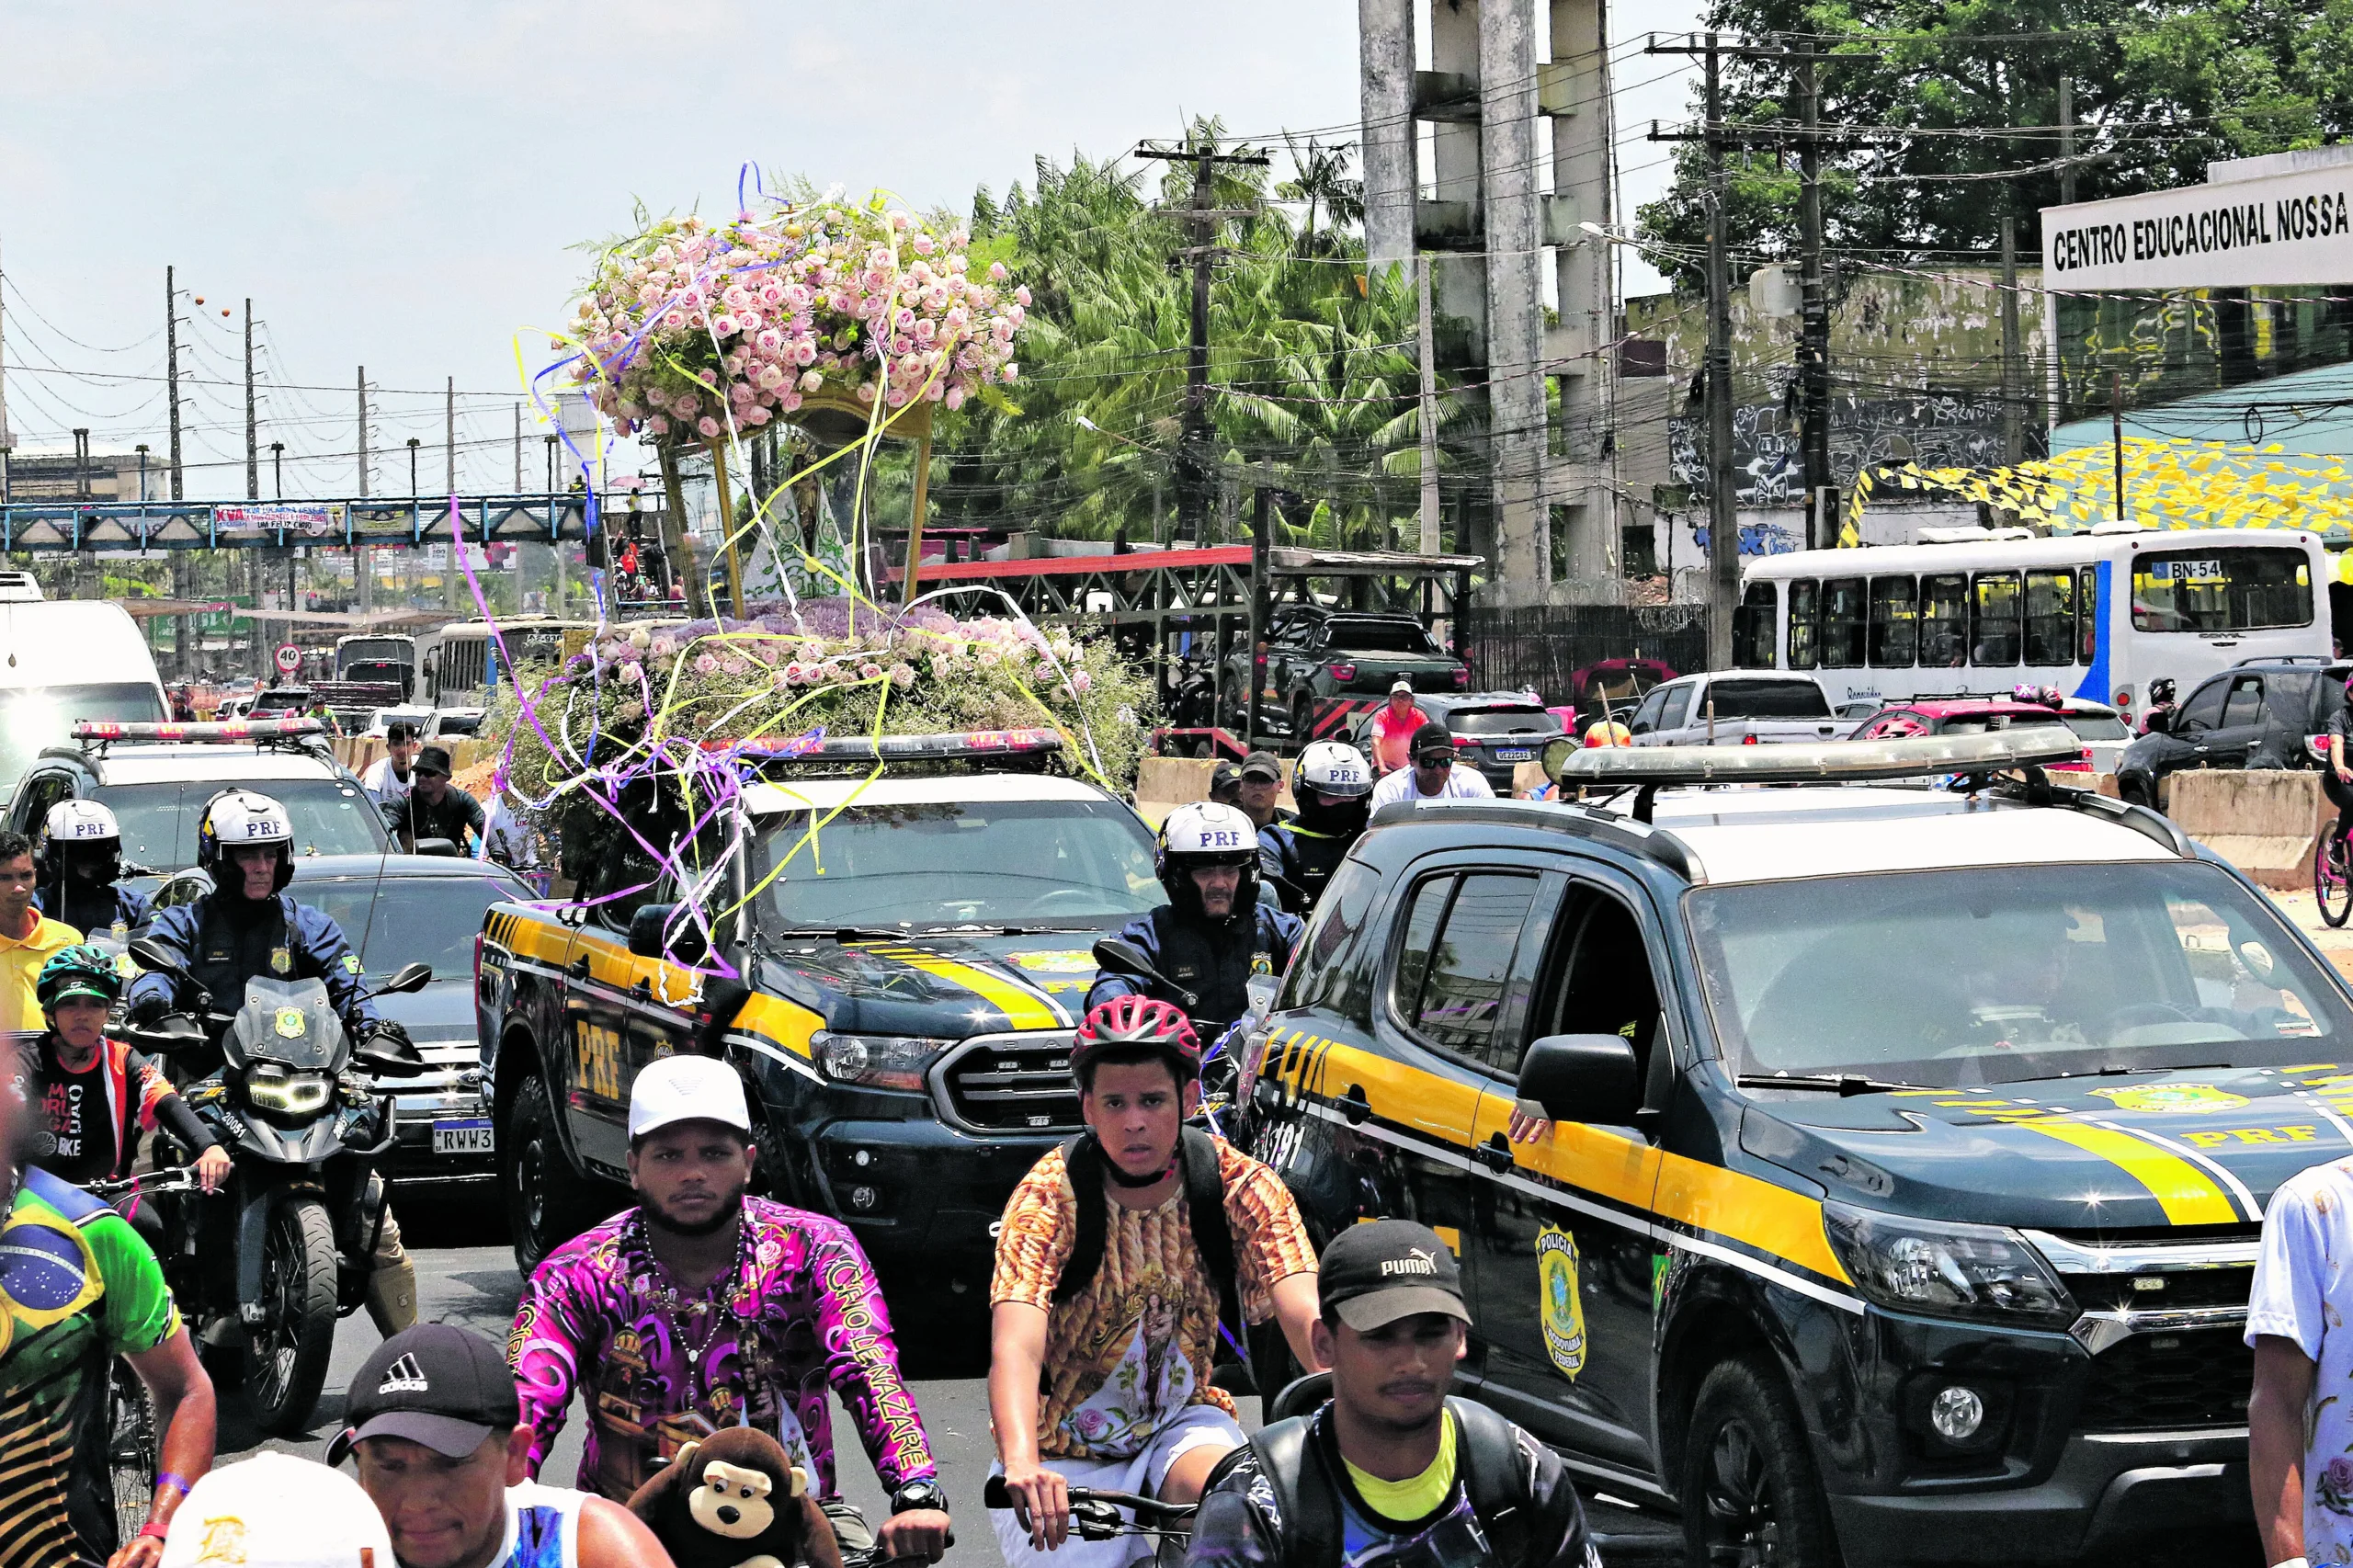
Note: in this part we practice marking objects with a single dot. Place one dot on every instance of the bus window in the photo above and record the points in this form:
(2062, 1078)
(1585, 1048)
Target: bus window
(1944, 621)
(1842, 624)
(2051, 618)
(1752, 627)
(2087, 619)
(1994, 616)
(2221, 590)
(1895, 622)
(1802, 598)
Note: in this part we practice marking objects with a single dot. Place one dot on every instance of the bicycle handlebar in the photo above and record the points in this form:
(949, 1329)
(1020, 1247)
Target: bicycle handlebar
(175, 1178)
(996, 1495)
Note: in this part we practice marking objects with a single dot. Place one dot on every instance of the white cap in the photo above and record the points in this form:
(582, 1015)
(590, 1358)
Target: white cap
(276, 1511)
(686, 1088)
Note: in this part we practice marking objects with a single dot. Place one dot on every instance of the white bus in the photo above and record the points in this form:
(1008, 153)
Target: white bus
(2098, 614)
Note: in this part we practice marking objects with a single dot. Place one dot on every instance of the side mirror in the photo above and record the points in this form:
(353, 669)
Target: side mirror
(436, 847)
(410, 977)
(1582, 1077)
(2161, 720)
(166, 1035)
(1120, 956)
(650, 936)
(152, 954)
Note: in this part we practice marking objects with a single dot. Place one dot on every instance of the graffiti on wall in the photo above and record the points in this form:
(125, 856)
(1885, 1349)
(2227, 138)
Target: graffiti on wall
(1954, 429)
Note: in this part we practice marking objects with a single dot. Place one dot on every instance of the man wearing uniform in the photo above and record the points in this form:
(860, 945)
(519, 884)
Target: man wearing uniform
(247, 927)
(78, 859)
(1213, 934)
(1299, 856)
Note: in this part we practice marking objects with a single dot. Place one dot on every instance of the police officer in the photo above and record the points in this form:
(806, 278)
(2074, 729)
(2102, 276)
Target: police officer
(78, 859)
(1213, 934)
(1299, 855)
(247, 927)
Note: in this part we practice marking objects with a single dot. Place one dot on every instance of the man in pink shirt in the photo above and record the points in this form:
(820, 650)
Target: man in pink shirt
(1393, 727)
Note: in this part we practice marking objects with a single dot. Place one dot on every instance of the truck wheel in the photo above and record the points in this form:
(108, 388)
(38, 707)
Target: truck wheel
(1303, 716)
(1749, 1493)
(548, 1202)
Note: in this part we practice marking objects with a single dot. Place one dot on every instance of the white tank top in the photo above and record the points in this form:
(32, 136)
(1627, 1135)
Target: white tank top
(543, 1528)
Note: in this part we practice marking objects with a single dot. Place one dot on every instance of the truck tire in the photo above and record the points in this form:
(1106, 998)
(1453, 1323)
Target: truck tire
(548, 1202)
(1749, 1491)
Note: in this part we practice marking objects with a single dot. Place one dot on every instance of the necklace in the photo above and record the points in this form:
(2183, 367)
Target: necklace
(734, 1296)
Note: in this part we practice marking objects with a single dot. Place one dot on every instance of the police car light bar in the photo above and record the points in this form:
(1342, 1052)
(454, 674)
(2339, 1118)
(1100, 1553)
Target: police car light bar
(1828, 762)
(229, 733)
(966, 746)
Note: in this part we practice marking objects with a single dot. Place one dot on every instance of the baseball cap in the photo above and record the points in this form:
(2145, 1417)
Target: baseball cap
(1432, 737)
(437, 1384)
(1374, 1274)
(275, 1510)
(1401, 685)
(1263, 764)
(686, 1088)
(1225, 776)
(432, 760)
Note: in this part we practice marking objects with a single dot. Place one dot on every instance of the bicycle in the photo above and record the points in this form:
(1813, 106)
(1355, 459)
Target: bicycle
(133, 1444)
(1096, 1516)
(2332, 875)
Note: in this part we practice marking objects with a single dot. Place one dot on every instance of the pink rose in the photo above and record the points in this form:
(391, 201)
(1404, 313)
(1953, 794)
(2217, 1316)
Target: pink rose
(704, 663)
(709, 427)
(997, 272)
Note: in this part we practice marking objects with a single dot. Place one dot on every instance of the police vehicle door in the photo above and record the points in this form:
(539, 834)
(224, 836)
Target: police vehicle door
(1560, 1247)
(598, 1005)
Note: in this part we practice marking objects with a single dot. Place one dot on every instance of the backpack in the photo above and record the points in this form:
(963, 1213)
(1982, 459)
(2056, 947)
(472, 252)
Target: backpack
(1293, 1457)
(1204, 1202)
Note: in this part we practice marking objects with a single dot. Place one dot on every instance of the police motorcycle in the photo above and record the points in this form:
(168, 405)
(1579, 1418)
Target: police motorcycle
(1221, 1061)
(283, 1250)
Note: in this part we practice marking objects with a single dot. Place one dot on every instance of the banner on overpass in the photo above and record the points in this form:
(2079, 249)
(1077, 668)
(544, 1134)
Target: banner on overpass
(313, 519)
(2284, 230)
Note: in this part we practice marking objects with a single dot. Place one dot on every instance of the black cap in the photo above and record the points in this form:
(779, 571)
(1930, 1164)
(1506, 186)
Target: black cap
(1434, 736)
(432, 760)
(1374, 1274)
(1225, 779)
(1264, 764)
(445, 1387)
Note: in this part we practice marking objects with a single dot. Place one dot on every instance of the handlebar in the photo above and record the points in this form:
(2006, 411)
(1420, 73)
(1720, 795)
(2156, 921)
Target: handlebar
(176, 1179)
(1150, 1512)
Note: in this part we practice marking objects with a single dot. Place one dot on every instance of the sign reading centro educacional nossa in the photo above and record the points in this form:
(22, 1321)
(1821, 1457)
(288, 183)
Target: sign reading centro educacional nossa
(2287, 229)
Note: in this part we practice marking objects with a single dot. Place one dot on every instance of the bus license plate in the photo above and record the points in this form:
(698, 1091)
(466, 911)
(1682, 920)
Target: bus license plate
(469, 1137)
(1514, 753)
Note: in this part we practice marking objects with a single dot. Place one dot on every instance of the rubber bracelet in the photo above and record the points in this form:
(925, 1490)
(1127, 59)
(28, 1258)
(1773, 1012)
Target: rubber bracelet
(156, 1529)
(179, 1483)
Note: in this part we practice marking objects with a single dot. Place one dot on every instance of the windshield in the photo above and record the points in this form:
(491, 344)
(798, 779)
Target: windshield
(1380, 637)
(2098, 727)
(386, 650)
(1962, 979)
(291, 1021)
(34, 717)
(1769, 700)
(406, 920)
(2221, 590)
(1502, 721)
(457, 725)
(331, 817)
(1084, 863)
(1978, 723)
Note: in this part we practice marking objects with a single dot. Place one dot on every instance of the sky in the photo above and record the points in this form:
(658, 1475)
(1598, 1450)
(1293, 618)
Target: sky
(402, 185)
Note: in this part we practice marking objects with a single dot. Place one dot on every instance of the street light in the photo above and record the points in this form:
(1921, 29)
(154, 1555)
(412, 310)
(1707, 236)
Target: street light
(411, 468)
(278, 468)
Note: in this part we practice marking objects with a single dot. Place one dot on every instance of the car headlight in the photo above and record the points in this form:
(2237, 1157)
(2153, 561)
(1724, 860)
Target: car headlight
(877, 1061)
(272, 1086)
(1943, 1269)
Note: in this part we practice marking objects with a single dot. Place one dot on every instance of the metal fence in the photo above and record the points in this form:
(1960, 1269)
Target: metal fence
(1544, 645)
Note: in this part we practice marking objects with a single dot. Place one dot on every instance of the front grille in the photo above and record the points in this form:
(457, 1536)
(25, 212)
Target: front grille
(2168, 1381)
(2175, 1291)
(1009, 1082)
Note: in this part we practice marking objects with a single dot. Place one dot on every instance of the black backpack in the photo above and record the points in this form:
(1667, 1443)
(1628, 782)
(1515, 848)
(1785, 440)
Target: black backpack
(1204, 1202)
(1293, 1457)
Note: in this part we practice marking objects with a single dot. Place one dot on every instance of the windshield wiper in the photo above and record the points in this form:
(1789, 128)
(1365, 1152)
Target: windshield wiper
(1839, 1083)
(851, 933)
(2112, 1071)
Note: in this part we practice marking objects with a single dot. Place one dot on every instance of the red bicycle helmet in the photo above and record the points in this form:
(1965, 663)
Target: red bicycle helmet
(1126, 1022)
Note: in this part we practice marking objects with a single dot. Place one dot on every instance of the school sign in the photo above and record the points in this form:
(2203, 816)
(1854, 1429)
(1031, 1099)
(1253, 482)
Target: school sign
(2284, 221)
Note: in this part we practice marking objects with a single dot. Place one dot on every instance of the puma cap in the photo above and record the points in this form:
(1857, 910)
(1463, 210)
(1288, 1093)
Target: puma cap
(1374, 1274)
(437, 1384)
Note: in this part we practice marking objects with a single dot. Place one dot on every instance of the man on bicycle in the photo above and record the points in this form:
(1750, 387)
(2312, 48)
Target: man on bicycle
(1124, 1257)
(702, 1308)
(77, 1288)
(1392, 1472)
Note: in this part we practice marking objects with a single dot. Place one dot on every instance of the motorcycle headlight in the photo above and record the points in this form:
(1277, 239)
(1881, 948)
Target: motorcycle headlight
(272, 1086)
(877, 1061)
(1940, 1268)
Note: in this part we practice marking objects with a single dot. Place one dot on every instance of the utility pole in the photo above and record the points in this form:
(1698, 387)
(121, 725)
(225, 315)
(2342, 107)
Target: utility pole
(1814, 324)
(2116, 436)
(2012, 383)
(449, 431)
(171, 368)
(253, 451)
(1723, 515)
(518, 448)
(363, 430)
(278, 468)
(1193, 496)
(81, 462)
(1430, 407)
(2067, 141)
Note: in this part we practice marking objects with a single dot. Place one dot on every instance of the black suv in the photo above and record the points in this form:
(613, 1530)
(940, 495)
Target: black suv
(1317, 656)
(2255, 714)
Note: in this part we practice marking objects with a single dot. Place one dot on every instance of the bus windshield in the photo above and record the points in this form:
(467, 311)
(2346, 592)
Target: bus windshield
(2242, 589)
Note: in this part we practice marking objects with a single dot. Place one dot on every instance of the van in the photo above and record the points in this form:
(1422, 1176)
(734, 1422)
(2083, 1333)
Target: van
(66, 660)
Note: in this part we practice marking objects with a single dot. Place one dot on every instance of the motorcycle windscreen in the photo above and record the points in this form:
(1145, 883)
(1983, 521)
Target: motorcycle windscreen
(290, 1021)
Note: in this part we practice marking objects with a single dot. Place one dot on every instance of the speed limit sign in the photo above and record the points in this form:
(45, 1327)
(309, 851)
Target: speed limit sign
(289, 658)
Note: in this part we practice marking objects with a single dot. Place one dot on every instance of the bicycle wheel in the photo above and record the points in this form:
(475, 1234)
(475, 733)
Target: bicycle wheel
(130, 1449)
(2332, 888)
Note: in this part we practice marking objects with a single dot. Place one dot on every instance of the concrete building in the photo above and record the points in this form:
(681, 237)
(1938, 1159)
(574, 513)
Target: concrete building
(105, 476)
(1486, 160)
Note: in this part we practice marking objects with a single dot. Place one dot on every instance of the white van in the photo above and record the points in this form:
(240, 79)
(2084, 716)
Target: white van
(62, 661)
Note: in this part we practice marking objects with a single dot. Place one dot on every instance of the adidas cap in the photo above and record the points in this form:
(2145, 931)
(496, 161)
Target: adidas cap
(1373, 1274)
(437, 1384)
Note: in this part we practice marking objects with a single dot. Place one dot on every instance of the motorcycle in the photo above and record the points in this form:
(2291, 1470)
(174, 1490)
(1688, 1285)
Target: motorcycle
(1223, 1085)
(285, 1247)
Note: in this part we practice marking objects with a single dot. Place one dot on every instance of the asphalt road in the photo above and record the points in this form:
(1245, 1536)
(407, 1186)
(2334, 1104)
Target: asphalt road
(466, 1275)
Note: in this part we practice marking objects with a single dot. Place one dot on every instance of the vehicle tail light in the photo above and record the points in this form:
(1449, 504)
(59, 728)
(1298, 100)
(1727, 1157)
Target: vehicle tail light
(1748, 740)
(1466, 743)
(2124, 696)
(1462, 677)
(1342, 671)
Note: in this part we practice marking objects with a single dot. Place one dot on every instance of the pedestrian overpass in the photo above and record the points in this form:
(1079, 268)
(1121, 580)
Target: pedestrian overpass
(354, 522)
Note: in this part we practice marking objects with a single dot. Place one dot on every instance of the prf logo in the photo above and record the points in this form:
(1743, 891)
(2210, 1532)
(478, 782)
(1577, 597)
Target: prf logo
(1224, 838)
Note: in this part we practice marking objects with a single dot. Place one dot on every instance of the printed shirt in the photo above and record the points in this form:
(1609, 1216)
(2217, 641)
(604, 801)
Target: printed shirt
(77, 1288)
(1464, 783)
(20, 962)
(1136, 1346)
(2303, 1291)
(86, 1125)
(543, 1528)
(809, 1314)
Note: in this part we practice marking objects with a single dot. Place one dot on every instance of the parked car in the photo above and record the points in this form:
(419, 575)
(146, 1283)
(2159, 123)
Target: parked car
(2096, 724)
(2252, 715)
(1735, 707)
(1494, 732)
(1323, 665)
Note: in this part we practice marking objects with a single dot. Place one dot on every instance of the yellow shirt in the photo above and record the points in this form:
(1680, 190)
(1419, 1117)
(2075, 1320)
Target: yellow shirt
(20, 962)
(1415, 1497)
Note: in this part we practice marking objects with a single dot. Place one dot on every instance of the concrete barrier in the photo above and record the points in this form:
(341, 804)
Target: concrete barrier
(1165, 783)
(2264, 821)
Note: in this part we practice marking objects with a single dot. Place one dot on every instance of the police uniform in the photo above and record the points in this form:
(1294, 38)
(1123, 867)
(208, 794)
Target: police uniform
(1301, 860)
(1212, 959)
(115, 904)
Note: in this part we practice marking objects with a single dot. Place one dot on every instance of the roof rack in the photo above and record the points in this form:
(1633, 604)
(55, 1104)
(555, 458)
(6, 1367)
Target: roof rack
(961, 745)
(1825, 762)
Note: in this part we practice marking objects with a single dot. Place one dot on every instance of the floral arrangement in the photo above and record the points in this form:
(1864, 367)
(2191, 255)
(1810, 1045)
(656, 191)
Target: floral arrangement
(688, 326)
(685, 696)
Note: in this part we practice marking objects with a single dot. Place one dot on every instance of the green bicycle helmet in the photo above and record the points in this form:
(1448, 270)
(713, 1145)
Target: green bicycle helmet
(83, 970)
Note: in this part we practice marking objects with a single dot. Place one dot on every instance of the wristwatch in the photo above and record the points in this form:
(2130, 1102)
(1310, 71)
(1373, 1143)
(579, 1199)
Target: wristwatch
(917, 1494)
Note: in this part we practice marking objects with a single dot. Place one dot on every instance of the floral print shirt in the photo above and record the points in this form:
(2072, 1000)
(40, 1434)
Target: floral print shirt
(2303, 1291)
